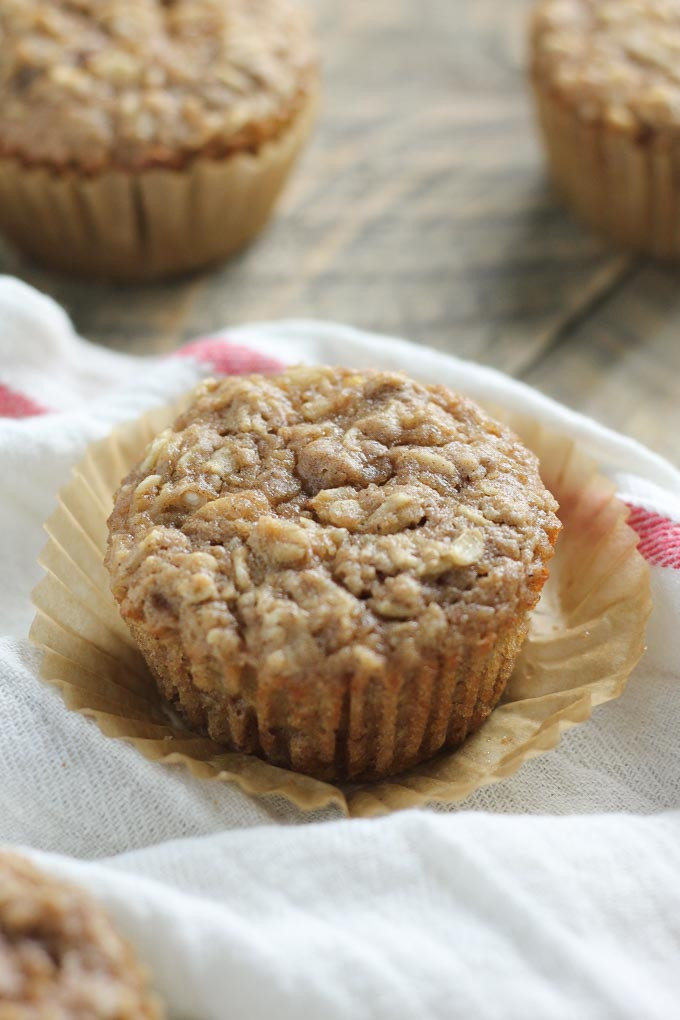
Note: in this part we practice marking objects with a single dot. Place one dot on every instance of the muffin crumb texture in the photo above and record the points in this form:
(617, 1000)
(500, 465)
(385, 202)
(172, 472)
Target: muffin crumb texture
(332, 569)
(60, 957)
(613, 61)
(138, 83)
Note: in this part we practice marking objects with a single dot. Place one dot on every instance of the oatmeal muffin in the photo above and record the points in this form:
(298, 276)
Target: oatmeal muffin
(607, 86)
(141, 138)
(332, 569)
(60, 957)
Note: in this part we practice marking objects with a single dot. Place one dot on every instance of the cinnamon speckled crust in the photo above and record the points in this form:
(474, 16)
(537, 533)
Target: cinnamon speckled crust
(612, 61)
(60, 957)
(332, 569)
(97, 84)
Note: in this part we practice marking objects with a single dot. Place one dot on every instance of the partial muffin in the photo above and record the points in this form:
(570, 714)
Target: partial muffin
(332, 569)
(605, 77)
(141, 138)
(60, 956)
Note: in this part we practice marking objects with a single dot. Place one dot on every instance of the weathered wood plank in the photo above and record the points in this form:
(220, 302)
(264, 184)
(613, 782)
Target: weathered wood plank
(622, 365)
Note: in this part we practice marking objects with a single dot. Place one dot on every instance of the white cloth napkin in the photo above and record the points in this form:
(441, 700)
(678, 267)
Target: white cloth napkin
(553, 894)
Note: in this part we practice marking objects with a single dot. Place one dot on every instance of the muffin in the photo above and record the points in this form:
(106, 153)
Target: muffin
(331, 569)
(60, 956)
(144, 138)
(605, 77)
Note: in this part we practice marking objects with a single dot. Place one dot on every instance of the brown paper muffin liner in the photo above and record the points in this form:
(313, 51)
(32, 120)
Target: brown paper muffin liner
(626, 188)
(150, 224)
(585, 637)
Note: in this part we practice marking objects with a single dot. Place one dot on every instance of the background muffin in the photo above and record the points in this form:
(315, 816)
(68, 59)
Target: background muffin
(605, 76)
(145, 137)
(60, 955)
(332, 569)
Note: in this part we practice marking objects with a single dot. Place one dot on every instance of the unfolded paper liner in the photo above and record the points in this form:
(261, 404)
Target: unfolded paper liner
(586, 636)
(152, 223)
(623, 187)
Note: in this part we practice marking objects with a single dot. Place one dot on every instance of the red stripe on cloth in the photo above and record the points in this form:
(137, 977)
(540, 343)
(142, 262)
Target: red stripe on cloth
(659, 537)
(226, 358)
(16, 405)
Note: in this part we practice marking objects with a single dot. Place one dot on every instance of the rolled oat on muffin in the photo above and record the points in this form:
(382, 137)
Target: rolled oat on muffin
(60, 956)
(142, 138)
(607, 87)
(332, 569)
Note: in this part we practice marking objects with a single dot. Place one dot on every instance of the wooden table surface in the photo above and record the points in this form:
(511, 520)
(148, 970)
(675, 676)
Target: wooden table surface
(421, 209)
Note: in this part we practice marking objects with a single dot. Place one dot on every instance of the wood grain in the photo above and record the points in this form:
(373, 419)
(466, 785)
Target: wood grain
(421, 209)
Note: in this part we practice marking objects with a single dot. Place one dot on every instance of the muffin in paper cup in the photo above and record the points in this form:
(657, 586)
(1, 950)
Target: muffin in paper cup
(585, 637)
(143, 140)
(604, 76)
(330, 569)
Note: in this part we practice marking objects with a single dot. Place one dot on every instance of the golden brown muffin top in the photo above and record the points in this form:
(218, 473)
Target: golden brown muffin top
(60, 955)
(323, 517)
(616, 61)
(136, 83)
